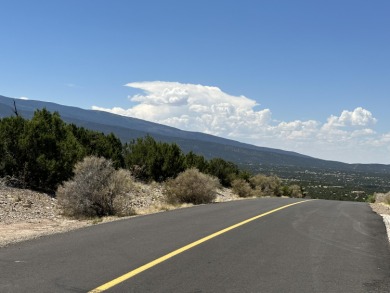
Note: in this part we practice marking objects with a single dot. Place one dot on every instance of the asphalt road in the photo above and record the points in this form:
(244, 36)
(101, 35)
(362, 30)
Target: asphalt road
(315, 246)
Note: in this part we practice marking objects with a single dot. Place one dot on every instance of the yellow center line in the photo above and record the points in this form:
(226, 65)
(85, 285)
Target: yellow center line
(155, 262)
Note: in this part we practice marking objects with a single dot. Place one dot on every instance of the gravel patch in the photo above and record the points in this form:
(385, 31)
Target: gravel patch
(386, 219)
(383, 210)
(25, 214)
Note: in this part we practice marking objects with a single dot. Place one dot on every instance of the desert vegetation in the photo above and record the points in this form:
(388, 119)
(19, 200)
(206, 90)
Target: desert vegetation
(261, 185)
(96, 190)
(41, 153)
(327, 183)
(382, 198)
(94, 174)
(191, 186)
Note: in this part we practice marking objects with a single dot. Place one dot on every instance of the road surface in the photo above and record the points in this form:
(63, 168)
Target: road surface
(312, 246)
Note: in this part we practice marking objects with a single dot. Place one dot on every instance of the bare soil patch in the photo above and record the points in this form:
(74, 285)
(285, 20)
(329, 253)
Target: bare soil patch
(380, 208)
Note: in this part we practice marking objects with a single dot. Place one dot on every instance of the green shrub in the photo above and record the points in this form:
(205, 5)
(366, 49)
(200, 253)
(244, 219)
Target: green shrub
(193, 160)
(371, 198)
(191, 186)
(149, 159)
(40, 153)
(98, 144)
(225, 171)
(242, 188)
(97, 189)
(294, 191)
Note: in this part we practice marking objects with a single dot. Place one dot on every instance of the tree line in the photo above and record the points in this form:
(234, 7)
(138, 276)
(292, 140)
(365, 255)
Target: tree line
(41, 153)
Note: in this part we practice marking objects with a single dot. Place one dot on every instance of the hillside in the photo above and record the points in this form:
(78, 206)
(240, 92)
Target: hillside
(341, 180)
(127, 128)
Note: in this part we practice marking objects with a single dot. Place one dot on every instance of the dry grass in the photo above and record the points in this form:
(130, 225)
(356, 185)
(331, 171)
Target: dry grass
(160, 207)
(242, 188)
(191, 186)
(96, 190)
(383, 198)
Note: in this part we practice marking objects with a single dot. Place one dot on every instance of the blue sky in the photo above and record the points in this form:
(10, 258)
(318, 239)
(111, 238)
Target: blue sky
(303, 75)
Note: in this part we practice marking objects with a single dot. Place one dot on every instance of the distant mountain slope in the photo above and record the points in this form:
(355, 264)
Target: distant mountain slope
(210, 146)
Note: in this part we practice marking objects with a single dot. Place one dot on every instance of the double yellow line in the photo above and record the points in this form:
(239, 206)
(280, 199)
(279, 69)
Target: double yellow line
(153, 263)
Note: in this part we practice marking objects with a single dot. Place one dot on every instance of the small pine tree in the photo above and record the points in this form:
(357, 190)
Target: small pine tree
(225, 171)
(148, 159)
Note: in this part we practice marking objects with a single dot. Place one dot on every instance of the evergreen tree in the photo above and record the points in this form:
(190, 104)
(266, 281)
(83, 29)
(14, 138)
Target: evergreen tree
(193, 160)
(152, 160)
(51, 151)
(173, 160)
(225, 171)
(99, 145)
(12, 152)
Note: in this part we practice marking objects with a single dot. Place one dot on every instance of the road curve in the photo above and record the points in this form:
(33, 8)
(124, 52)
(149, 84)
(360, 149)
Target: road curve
(314, 246)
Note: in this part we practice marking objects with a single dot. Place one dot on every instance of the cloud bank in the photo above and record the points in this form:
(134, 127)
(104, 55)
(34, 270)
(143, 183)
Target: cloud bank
(349, 137)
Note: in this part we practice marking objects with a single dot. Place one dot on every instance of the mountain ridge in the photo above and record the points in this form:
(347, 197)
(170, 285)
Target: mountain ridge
(128, 128)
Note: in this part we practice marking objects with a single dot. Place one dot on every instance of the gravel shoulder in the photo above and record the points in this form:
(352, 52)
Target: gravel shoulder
(383, 210)
(25, 214)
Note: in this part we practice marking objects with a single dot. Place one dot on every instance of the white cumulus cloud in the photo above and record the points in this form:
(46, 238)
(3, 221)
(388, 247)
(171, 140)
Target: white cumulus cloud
(194, 107)
(209, 110)
(357, 117)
